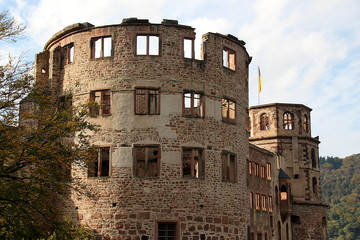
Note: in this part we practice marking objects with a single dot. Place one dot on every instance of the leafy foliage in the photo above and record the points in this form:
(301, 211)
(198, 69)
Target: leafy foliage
(340, 180)
(37, 148)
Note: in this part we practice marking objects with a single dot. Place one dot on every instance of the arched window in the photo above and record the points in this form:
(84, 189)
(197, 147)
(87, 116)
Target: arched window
(283, 193)
(288, 121)
(314, 184)
(313, 158)
(306, 123)
(264, 121)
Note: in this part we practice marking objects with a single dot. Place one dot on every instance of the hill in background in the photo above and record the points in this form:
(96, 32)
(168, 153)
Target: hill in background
(340, 180)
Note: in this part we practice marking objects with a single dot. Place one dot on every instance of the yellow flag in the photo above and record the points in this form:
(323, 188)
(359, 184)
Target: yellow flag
(260, 80)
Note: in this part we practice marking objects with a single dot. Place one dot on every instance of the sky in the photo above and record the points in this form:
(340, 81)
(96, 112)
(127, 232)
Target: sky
(308, 51)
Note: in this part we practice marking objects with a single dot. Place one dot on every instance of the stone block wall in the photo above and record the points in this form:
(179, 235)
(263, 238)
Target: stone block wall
(123, 205)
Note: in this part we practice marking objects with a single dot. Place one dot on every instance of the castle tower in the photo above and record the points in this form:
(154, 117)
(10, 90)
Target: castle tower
(172, 140)
(285, 130)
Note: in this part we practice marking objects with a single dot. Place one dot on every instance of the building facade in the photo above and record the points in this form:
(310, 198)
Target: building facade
(174, 156)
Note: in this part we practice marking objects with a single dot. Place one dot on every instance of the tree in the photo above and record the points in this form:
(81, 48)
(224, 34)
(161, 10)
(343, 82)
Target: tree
(38, 145)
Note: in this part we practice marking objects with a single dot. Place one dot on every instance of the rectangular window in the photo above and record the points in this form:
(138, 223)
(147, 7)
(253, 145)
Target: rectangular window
(228, 167)
(257, 204)
(100, 103)
(193, 105)
(251, 200)
(268, 171)
(189, 48)
(146, 161)
(262, 171)
(67, 55)
(65, 102)
(100, 167)
(147, 45)
(101, 47)
(147, 101)
(263, 203)
(256, 170)
(249, 167)
(193, 163)
(229, 58)
(228, 110)
(270, 206)
(166, 231)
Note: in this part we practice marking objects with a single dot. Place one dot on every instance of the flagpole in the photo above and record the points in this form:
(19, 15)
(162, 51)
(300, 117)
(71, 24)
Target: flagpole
(259, 85)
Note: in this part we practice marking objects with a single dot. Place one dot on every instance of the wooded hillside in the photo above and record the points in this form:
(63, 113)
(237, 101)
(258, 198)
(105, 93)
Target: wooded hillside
(340, 180)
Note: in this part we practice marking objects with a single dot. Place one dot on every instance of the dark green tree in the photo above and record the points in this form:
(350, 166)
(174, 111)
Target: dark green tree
(38, 145)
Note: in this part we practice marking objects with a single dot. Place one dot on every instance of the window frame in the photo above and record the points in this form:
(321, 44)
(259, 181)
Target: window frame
(288, 121)
(228, 61)
(306, 123)
(251, 200)
(98, 164)
(174, 222)
(264, 122)
(270, 204)
(225, 107)
(262, 171)
(314, 162)
(67, 54)
(257, 201)
(192, 50)
(227, 164)
(200, 174)
(192, 103)
(102, 47)
(102, 109)
(147, 44)
(146, 160)
(268, 171)
(263, 202)
(147, 100)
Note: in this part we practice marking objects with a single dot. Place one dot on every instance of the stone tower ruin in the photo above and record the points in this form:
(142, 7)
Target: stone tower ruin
(174, 156)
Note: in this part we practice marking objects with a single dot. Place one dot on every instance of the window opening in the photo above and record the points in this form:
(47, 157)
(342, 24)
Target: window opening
(283, 193)
(189, 48)
(314, 183)
(193, 163)
(193, 104)
(67, 55)
(257, 205)
(167, 231)
(264, 122)
(288, 121)
(146, 161)
(263, 203)
(268, 171)
(228, 110)
(249, 167)
(147, 45)
(100, 102)
(257, 173)
(306, 123)
(313, 158)
(251, 200)
(147, 101)
(102, 47)
(229, 58)
(262, 171)
(228, 167)
(270, 204)
(100, 167)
